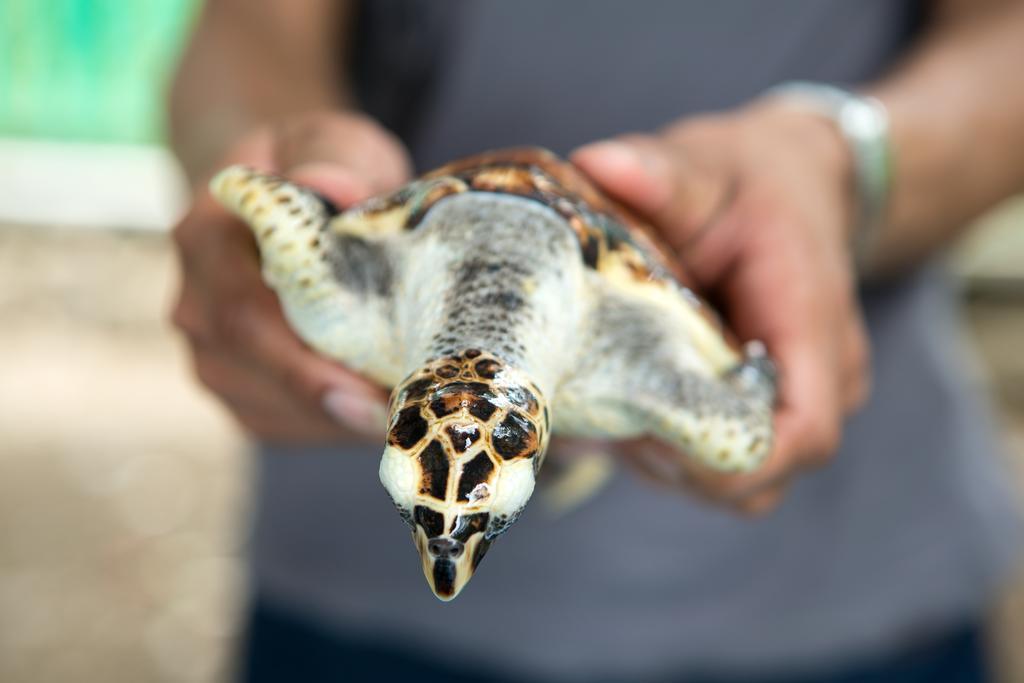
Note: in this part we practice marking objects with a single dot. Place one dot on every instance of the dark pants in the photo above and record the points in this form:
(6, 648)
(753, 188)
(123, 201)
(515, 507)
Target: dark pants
(284, 647)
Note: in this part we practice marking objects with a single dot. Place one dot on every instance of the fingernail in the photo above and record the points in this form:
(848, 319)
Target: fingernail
(626, 154)
(355, 412)
(614, 153)
(337, 182)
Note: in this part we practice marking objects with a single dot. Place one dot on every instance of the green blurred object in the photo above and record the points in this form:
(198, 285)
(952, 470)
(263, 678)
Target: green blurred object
(91, 70)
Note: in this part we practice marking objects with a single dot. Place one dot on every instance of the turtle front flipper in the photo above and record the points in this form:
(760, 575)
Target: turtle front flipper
(334, 286)
(288, 222)
(654, 366)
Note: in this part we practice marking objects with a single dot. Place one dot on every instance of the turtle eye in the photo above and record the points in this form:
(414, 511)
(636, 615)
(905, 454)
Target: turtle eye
(432, 521)
(465, 526)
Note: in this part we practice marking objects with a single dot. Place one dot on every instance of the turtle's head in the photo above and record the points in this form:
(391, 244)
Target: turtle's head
(452, 537)
(462, 455)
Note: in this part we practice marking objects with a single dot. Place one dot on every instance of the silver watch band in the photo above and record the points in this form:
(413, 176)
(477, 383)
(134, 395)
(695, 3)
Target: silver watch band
(863, 123)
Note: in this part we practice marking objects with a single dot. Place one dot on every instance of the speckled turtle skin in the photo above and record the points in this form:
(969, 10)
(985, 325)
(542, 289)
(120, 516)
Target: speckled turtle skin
(503, 298)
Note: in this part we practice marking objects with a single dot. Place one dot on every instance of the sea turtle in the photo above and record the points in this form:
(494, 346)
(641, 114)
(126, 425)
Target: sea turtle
(503, 298)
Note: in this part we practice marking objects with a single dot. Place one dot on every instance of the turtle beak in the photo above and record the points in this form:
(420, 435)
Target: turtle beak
(449, 563)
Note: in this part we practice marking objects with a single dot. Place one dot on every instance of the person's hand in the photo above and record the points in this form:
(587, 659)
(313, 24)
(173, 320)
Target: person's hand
(242, 348)
(756, 205)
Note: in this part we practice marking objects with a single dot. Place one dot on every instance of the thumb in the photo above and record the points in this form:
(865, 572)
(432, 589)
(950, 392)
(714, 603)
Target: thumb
(659, 180)
(347, 156)
(337, 182)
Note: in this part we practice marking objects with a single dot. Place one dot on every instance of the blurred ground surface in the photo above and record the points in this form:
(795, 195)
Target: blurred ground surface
(122, 487)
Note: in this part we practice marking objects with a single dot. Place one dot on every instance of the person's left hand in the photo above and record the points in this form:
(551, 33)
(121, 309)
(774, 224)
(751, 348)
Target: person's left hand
(242, 348)
(756, 206)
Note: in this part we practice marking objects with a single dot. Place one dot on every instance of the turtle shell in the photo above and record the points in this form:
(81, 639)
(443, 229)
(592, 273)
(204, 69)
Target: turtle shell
(602, 226)
(611, 237)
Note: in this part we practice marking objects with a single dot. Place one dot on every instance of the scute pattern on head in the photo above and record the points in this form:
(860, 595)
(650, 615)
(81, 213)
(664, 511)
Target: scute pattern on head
(464, 438)
(461, 425)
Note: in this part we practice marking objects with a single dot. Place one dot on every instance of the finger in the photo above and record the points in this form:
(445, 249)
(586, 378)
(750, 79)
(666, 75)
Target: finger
(632, 169)
(857, 364)
(667, 468)
(763, 502)
(727, 488)
(187, 314)
(262, 337)
(205, 220)
(658, 179)
(655, 467)
(304, 429)
(347, 140)
(235, 382)
(198, 239)
(244, 388)
(570, 447)
(271, 344)
(255, 149)
(340, 184)
(287, 419)
(801, 323)
(809, 415)
(261, 405)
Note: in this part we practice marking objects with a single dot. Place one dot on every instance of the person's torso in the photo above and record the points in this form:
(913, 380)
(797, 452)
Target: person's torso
(904, 529)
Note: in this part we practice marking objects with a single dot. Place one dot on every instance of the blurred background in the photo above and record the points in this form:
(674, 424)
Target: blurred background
(122, 486)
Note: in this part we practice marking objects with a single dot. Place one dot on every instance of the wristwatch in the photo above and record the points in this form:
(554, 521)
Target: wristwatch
(863, 123)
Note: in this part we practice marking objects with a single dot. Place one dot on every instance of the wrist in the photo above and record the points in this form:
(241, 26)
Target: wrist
(816, 135)
(862, 124)
(782, 154)
(821, 149)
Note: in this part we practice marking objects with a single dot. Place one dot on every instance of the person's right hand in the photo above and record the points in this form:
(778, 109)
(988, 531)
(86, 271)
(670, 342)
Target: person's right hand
(242, 348)
(756, 206)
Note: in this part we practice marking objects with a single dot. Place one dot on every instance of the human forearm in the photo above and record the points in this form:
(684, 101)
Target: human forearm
(957, 128)
(250, 64)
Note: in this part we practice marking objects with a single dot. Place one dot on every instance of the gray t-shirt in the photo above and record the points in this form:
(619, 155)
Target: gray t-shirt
(905, 533)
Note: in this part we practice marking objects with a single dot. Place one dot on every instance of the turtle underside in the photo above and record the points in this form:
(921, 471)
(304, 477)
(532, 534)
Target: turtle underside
(503, 298)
